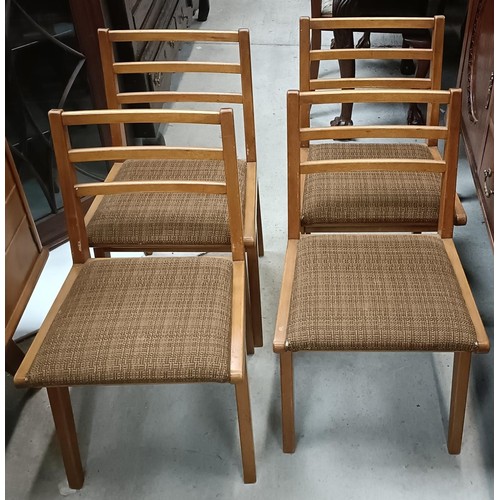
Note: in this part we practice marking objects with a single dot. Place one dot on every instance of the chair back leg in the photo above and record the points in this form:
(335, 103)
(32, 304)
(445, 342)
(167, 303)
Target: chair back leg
(245, 427)
(459, 386)
(60, 404)
(287, 402)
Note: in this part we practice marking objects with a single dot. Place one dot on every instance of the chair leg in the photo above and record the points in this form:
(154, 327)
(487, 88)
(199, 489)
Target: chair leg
(245, 426)
(315, 37)
(254, 280)
(100, 253)
(459, 386)
(248, 322)
(260, 237)
(287, 402)
(13, 357)
(60, 404)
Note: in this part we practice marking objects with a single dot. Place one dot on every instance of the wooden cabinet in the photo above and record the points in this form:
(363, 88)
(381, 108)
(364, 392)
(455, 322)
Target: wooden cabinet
(24, 258)
(476, 81)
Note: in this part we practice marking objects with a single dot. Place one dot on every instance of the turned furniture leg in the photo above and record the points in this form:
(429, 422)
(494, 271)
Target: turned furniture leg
(60, 404)
(344, 39)
(459, 386)
(13, 357)
(203, 10)
(254, 280)
(245, 427)
(260, 236)
(287, 402)
(315, 37)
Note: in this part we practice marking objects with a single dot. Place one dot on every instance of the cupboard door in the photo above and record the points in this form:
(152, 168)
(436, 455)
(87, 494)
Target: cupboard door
(477, 77)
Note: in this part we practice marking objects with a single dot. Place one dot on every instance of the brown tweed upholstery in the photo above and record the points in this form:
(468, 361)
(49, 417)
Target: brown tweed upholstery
(163, 219)
(137, 321)
(377, 292)
(370, 197)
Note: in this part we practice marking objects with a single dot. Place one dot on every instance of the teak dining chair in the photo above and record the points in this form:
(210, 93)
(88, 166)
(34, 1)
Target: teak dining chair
(167, 223)
(428, 74)
(376, 292)
(366, 200)
(142, 320)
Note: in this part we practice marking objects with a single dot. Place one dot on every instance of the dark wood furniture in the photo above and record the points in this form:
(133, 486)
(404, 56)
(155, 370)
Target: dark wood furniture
(476, 79)
(24, 259)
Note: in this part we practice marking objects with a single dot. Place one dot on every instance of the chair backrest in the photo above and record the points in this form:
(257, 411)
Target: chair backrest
(72, 191)
(299, 138)
(434, 54)
(116, 97)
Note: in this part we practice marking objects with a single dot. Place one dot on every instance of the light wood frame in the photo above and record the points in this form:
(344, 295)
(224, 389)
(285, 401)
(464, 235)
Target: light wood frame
(310, 54)
(296, 162)
(252, 229)
(72, 192)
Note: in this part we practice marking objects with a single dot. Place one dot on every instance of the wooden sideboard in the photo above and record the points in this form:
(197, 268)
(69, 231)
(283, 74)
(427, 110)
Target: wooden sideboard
(476, 80)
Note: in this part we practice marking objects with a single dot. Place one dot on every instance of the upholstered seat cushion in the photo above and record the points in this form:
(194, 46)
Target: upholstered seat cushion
(165, 219)
(377, 292)
(143, 320)
(370, 197)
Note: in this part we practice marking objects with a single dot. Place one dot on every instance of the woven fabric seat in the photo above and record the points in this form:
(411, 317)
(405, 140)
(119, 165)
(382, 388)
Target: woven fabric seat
(164, 219)
(137, 321)
(370, 197)
(377, 292)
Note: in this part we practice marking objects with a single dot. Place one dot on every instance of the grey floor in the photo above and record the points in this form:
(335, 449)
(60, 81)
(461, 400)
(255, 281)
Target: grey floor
(370, 425)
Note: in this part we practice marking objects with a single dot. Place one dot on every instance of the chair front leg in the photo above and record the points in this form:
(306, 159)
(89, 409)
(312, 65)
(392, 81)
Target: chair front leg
(245, 427)
(287, 402)
(254, 281)
(60, 404)
(459, 386)
(100, 253)
(260, 236)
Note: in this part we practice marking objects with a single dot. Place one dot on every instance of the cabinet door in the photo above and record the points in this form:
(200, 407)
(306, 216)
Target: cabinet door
(477, 77)
(485, 175)
(476, 81)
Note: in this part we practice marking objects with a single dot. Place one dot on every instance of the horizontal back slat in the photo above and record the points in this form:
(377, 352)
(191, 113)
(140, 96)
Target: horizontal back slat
(175, 67)
(172, 35)
(143, 153)
(388, 165)
(109, 116)
(109, 188)
(148, 97)
(394, 95)
(340, 54)
(373, 132)
(372, 23)
(350, 83)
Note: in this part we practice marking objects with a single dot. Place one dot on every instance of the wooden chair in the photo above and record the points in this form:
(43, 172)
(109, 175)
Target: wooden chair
(430, 54)
(142, 320)
(164, 223)
(376, 292)
(323, 194)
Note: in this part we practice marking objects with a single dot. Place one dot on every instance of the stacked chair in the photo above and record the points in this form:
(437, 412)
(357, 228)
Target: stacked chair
(403, 202)
(143, 320)
(375, 292)
(175, 222)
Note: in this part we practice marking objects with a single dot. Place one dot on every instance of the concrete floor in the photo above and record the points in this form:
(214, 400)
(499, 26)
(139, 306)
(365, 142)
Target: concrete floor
(369, 425)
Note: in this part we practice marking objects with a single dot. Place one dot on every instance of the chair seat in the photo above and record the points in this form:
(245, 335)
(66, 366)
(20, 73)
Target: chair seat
(147, 320)
(378, 293)
(165, 219)
(370, 197)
